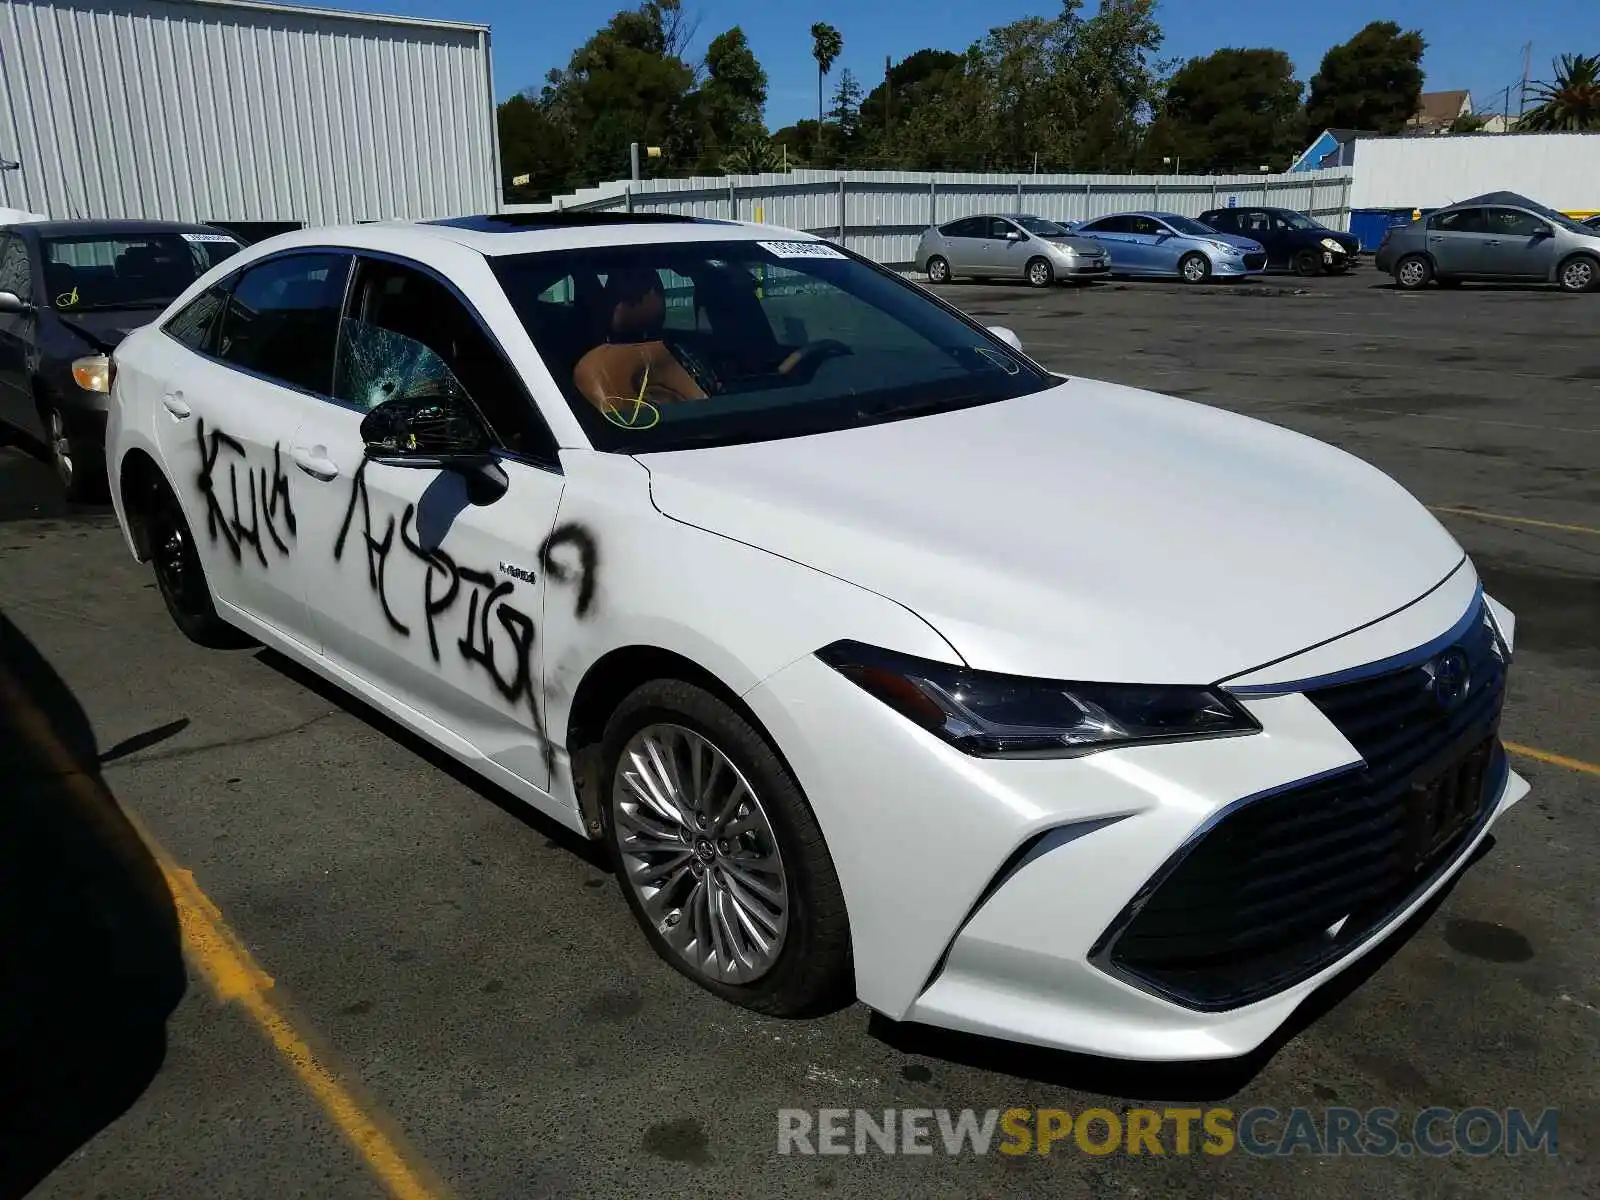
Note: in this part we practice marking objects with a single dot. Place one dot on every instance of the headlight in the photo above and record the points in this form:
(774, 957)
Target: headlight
(1330, 244)
(94, 373)
(1010, 716)
(1227, 248)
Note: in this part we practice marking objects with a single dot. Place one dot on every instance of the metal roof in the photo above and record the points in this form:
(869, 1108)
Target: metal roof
(341, 14)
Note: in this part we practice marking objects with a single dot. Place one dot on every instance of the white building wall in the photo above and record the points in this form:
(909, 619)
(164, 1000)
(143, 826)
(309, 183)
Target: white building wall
(1561, 170)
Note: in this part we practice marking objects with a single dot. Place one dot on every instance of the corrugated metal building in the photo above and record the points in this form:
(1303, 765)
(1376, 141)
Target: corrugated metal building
(240, 112)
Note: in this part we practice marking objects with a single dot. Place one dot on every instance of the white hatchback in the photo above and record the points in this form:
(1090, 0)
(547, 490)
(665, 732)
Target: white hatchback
(885, 663)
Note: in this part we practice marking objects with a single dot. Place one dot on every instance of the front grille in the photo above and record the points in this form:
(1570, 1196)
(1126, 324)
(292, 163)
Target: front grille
(1254, 262)
(1285, 884)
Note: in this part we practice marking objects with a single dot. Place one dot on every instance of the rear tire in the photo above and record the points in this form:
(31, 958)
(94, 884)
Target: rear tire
(1579, 273)
(685, 860)
(938, 270)
(1412, 272)
(1194, 267)
(1039, 273)
(181, 579)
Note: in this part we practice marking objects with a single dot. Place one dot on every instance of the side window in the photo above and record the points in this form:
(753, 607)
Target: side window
(283, 317)
(1513, 223)
(966, 227)
(15, 275)
(1145, 226)
(195, 324)
(683, 314)
(1223, 221)
(998, 228)
(1106, 225)
(406, 334)
(1462, 220)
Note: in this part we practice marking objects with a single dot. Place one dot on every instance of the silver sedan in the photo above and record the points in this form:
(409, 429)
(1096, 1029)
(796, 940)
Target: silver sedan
(1009, 246)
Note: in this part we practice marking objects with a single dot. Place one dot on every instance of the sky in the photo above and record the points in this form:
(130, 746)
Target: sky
(1472, 44)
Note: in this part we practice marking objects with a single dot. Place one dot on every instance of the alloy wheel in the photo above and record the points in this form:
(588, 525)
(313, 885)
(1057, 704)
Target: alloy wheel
(938, 271)
(1578, 275)
(699, 853)
(173, 557)
(1412, 272)
(1039, 274)
(61, 448)
(1194, 268)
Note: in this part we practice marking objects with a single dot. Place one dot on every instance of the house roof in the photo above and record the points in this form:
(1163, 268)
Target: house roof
(1440, 108)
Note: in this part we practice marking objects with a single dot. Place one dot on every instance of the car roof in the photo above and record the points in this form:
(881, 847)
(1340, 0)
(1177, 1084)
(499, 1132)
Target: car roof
(493, 234)
(89, 228)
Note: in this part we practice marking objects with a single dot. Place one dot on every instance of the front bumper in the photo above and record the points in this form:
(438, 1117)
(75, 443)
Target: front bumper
(986, 895)
(1235, 268)
(1077, 268)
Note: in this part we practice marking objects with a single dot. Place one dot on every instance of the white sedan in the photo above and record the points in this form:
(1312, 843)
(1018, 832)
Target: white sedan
(885, 663)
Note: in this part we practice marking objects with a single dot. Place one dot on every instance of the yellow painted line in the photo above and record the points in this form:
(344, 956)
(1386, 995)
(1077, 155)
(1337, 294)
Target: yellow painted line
(232, 972)
(1555, 760)
(1489, 516)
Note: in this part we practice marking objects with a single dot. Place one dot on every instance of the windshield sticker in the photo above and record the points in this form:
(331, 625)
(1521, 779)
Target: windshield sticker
(800, 249)
(640, 414)
(205, 238)
(68, 299)
(1004, 361)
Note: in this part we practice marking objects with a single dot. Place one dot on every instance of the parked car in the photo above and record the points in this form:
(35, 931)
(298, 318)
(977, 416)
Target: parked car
(1008, 246)
(788, 605)
(1592, 222)
(1499, 236)
(1292, 240)
(1159, 243)
(73, 288)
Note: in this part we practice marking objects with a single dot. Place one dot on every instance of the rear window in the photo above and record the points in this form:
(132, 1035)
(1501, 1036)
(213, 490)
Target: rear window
(101, 271)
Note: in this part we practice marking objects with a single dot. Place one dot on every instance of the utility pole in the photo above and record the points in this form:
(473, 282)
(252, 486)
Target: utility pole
(888, 94)
(1522, 96)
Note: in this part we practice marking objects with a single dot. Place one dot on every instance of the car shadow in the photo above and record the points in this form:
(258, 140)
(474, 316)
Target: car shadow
(91, 964)
(1152, 1082)
(535, 820)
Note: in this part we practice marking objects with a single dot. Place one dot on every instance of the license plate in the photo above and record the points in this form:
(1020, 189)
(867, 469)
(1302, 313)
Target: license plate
(1441, 807)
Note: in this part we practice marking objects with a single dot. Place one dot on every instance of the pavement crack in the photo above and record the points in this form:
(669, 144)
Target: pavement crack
(254, 739)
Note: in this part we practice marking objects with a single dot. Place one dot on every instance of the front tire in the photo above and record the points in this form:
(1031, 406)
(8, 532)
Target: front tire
(180, 577)
(719, 856)
(1307, 262)
(79, 467)
(1194, 267)
(1413, 272)
(938, 270)
(1039, 273)
(1580, 273)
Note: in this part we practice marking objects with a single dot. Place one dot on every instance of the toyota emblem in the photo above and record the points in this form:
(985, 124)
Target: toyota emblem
(1451, 678)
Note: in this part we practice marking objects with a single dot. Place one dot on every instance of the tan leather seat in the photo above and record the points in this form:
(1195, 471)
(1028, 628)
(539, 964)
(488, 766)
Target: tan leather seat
(633, 367)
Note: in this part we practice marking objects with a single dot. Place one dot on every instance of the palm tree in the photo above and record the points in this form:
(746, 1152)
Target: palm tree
(752, 158)
(1572, 102)
(827, 43)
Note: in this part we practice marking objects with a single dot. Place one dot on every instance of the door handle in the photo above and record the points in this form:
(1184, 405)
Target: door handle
(315, 462)
(175, 404)
(1492, 242)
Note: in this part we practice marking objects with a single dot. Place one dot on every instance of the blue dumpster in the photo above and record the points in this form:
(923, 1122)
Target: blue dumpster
(1368, 224)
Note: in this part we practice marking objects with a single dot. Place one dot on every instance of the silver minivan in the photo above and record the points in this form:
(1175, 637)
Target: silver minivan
(1009, 246)
(1499, 236)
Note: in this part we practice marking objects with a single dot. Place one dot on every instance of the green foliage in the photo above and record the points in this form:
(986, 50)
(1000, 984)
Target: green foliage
(1467, 123)
(1230, 111)
(1371, 82)
(734, 93)
(753, 157)
(1571, 101)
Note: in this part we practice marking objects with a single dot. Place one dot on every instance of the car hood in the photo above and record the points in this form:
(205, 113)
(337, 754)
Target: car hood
(1089, 531)
(1232, 239)
(105, 330)
(1080, 245)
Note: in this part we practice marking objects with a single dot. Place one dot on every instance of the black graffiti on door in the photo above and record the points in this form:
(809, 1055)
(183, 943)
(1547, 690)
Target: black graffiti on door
(267, 497)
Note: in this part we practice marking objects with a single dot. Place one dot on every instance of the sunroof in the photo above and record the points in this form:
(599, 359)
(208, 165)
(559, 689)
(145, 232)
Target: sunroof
(519, 222)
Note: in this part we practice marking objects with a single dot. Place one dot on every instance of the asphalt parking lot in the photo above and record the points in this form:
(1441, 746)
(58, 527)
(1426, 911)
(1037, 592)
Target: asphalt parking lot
(400, 983)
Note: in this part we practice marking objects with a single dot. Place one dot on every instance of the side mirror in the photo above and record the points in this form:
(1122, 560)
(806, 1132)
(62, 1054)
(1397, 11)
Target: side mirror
(1007, 336)
(1544, 231)
(10, 302)
(435, 432)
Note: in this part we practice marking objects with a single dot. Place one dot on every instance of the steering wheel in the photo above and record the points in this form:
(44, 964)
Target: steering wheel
(803, 363)
(700, 371)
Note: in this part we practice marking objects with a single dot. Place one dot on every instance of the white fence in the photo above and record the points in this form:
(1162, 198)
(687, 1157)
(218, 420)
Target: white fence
(880, 214)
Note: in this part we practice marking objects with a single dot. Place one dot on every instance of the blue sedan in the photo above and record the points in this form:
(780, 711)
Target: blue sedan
(1168, 244)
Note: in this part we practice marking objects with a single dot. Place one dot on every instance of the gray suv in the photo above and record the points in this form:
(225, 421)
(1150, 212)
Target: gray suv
(1009, 246)
(1496, 236)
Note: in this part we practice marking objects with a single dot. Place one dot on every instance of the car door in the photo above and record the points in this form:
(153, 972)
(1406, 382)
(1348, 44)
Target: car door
(420, 591)
(968, 245)
(1516, 245)
(1006, 249)
(18, 334)
(1260, 226)
(1113, 233)
(257, 359)
(1146, 241)
(1456, 241)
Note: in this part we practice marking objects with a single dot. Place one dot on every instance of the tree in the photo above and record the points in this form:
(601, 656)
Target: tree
(1467, 123)
(914, 80)
(1371, 82)
(846, 110)
(1230, 111)
(1571, 101)
(734, 93)
(827, 43)
(532, 144)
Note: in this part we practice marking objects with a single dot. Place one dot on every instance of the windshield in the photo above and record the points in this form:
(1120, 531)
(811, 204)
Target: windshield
(1192, 228)
(1296, 220)
(661, 347)
(85, 273)
(1042, 227)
